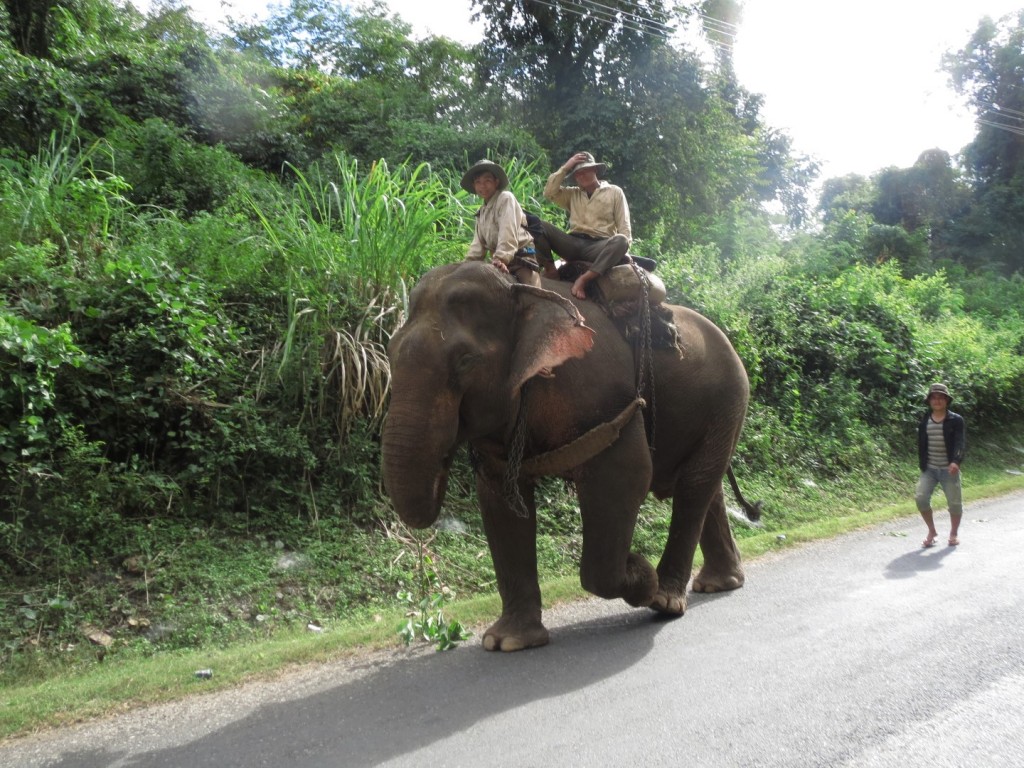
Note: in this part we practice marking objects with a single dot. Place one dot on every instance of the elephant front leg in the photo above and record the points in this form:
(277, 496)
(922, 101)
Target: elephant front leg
(611, 488)
(513, 543)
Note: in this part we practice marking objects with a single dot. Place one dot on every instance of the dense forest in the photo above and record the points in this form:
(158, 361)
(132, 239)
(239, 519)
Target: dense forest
(206, 240)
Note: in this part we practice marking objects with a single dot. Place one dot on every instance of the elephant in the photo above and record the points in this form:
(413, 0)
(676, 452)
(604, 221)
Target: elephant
(537, 390)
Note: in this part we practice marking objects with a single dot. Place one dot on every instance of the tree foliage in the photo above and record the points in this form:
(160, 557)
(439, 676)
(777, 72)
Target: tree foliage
(683, 140)
(989, 71)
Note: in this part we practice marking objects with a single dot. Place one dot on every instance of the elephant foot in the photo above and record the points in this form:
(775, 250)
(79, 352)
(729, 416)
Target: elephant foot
(718, 581)
(669, 603)
(509, 634)
(641, 583)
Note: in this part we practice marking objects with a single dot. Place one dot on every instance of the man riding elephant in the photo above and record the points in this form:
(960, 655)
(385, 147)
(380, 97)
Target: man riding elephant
(600, 231)
(500, 224)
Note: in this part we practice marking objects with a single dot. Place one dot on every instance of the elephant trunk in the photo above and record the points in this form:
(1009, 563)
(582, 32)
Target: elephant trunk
(417, 448)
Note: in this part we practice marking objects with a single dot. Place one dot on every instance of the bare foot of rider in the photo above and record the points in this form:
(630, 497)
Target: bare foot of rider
(579, 288)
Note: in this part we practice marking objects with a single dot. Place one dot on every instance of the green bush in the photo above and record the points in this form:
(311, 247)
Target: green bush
(31, 356)
(164, 168)
(61, 195)
(983, 365)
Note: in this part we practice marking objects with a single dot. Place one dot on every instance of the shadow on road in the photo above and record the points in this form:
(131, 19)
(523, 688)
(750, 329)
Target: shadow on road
(912, 563)
(415, 701)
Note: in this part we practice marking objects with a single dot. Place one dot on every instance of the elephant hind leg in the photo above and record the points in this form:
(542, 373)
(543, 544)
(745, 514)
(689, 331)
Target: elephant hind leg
(698, 514)
(722, 570)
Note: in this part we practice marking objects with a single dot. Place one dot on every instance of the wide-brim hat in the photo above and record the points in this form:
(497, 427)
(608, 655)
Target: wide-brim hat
(484, 166)
(590, 162)
(941, 389)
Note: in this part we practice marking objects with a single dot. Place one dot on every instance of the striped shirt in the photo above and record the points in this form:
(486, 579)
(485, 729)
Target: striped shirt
(937, 456)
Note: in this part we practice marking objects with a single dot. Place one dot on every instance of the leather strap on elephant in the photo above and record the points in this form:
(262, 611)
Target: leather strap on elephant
(583, 448)
(510, 485)
(560, 460)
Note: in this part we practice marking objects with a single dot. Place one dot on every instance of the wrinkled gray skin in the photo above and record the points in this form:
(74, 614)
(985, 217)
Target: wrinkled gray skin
(472, 340)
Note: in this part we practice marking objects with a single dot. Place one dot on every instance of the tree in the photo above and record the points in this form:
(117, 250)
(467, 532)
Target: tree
(31, 25)
(559, 55)
(844, 194)
(357, 83)
(44, 48)
(905, 214)
(922, 196)
(684, 141)
(989, 70)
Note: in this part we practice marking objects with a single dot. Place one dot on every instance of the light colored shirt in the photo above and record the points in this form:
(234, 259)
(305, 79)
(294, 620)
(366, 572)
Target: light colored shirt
(602, 214)
(500, 229)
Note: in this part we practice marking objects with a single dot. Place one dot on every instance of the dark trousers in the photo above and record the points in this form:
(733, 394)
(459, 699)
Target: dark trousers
(601, 253)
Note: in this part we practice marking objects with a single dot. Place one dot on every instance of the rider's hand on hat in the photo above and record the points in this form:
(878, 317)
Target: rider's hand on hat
(572, 162)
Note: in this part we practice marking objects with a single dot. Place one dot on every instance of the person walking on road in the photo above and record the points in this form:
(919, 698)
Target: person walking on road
(941, 443)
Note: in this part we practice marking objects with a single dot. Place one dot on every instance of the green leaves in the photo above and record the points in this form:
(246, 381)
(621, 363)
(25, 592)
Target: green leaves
(427, 621)
(425, 613)
(30, 358)
(62, 196)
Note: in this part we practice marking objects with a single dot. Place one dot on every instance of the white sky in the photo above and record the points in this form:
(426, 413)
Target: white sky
(856, 85)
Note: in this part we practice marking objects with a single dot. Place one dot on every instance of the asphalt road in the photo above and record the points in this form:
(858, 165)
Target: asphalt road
(860, 651)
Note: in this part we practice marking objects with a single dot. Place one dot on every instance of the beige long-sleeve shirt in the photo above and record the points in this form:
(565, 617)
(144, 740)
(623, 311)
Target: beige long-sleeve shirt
(500, 229)
(602, 214)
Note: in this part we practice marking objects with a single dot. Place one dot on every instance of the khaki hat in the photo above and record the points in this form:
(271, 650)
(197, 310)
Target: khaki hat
(484, 166)
(941, 389)
(590, 162)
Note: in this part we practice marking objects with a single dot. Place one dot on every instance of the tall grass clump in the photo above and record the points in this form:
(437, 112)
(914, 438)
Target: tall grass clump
(345, 248)
(367, 234)
(60, 195)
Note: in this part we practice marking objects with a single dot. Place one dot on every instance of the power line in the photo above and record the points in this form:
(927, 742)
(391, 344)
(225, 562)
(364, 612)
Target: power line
(718, 25)
(1018, 130)
(640, 18)
(1012, 114)
(610, 20)
(722, 27)
(637, 21)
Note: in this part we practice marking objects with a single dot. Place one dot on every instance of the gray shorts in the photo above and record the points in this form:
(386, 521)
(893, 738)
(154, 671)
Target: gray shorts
(950, 486)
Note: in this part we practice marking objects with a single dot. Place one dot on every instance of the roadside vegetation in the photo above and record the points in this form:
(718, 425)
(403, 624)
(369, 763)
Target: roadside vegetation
(196, 294)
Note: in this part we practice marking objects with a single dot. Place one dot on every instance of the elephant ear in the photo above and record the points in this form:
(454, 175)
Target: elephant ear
(549, 331)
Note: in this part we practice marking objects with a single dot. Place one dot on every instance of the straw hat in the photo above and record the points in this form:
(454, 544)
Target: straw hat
(484, 166)
(590, 162)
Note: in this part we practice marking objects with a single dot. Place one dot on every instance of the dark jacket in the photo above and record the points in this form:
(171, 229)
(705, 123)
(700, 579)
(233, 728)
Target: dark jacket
(953, 433)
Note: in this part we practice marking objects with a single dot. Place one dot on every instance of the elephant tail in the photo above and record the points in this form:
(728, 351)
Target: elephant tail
(752, 511)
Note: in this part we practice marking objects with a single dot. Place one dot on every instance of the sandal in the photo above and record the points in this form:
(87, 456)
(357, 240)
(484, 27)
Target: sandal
(929, 540)
(953, 541)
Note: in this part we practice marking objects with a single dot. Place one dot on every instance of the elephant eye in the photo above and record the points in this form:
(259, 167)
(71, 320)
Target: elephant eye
(467, 362)
(463, 367)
